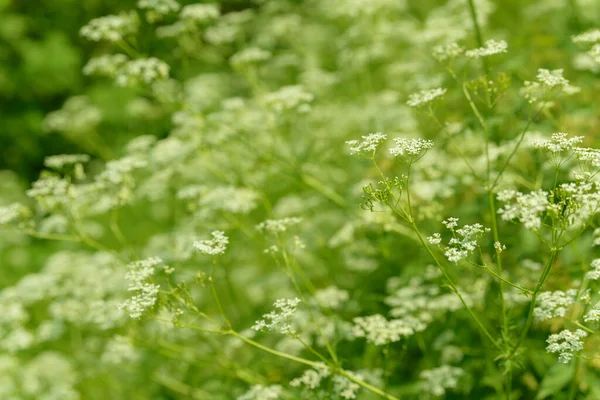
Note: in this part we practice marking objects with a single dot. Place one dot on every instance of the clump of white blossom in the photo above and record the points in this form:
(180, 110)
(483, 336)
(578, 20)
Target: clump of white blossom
(528, 208)
(594, 273)
(410, 149)
(549, 84)
(213, 247)
(199, 13)
(557, 146)
(156, 9)
(554, 304)
(139, 275)
(276, 226)
(331, 297)
(447, 52)
(76, 116)
(105, 65)
(491, 47)
(261, 392)
(289, 98)
(312, 379)
(13, 213)
(463, 242)
(379, 331)
(280, 320)
(368, 145)
(438, 380)
(249, 56)
(425, 97)
(566, 343)
(112, 28)
(60, 161)
(142, 71)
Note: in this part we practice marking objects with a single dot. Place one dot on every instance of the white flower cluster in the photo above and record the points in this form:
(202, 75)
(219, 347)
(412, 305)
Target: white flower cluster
(138, 275)
(76, 116)
(249, 56)
(344, 387)
(60, 161)
(215, 246)
(594, 52)
(447, 52)
(425, 97)
(464, 240)
(279, 320)
(528, 208)
(549, 83)
(491, 48)
(566, 344)
(436, 381)
(278, 225)
(105, 66)
(289, 98)
(379, 331)
(13, 213)
(230, 199)
(410, 149)
(161, 7)
(554, 304)
(593, 314)
(311, 378)
(591, 36)
(119, 350)
(558, 143)
(261, 392)
(200, 13)
(368, 145)
(142, 70)
(588, 156)
(51, 192)
(112, 28)
(331, 297)
(594, 273)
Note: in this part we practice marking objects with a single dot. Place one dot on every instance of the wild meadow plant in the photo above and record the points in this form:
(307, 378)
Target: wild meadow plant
(229, 255)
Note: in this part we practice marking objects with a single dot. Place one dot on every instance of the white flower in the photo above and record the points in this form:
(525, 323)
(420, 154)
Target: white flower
(491, 47)
(594, 273)
(331, 297)
(558, 143)
(105, 65)
(379, 331)
(593, 314)
(436, 381)
(553, 304)
(278, 225)
(436, 238)
(368, 145)
(260, 392)
(112, 28)
(248, 56)
(280, 320)
(425, 97)
(451, 223)
(566, 344)
(215, 246)
(161, 7)
(289, 98)
(311, 378)
(591, 36)
(142, 70)
(13, 213)
(138, 275)
(199, 13)
(447, 52)
(58, 162)
(527, 208)
(411, 149)
(548, 83)
(499, 247)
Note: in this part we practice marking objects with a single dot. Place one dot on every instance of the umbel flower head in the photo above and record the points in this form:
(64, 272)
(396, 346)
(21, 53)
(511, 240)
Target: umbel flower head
(215, 246)
(368, 145)
(280, 320)
(491, 47)
(425, 97)
(566, 344)
(410, 150)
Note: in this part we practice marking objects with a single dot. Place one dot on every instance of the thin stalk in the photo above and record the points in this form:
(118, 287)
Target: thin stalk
(537, 289)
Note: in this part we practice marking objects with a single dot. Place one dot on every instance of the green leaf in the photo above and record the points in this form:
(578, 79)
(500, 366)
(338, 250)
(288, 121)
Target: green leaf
(555, 380)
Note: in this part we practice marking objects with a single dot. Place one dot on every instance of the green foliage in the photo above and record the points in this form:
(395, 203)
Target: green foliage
(299, 199)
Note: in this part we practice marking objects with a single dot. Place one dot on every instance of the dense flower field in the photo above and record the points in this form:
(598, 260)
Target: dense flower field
(284, 199)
